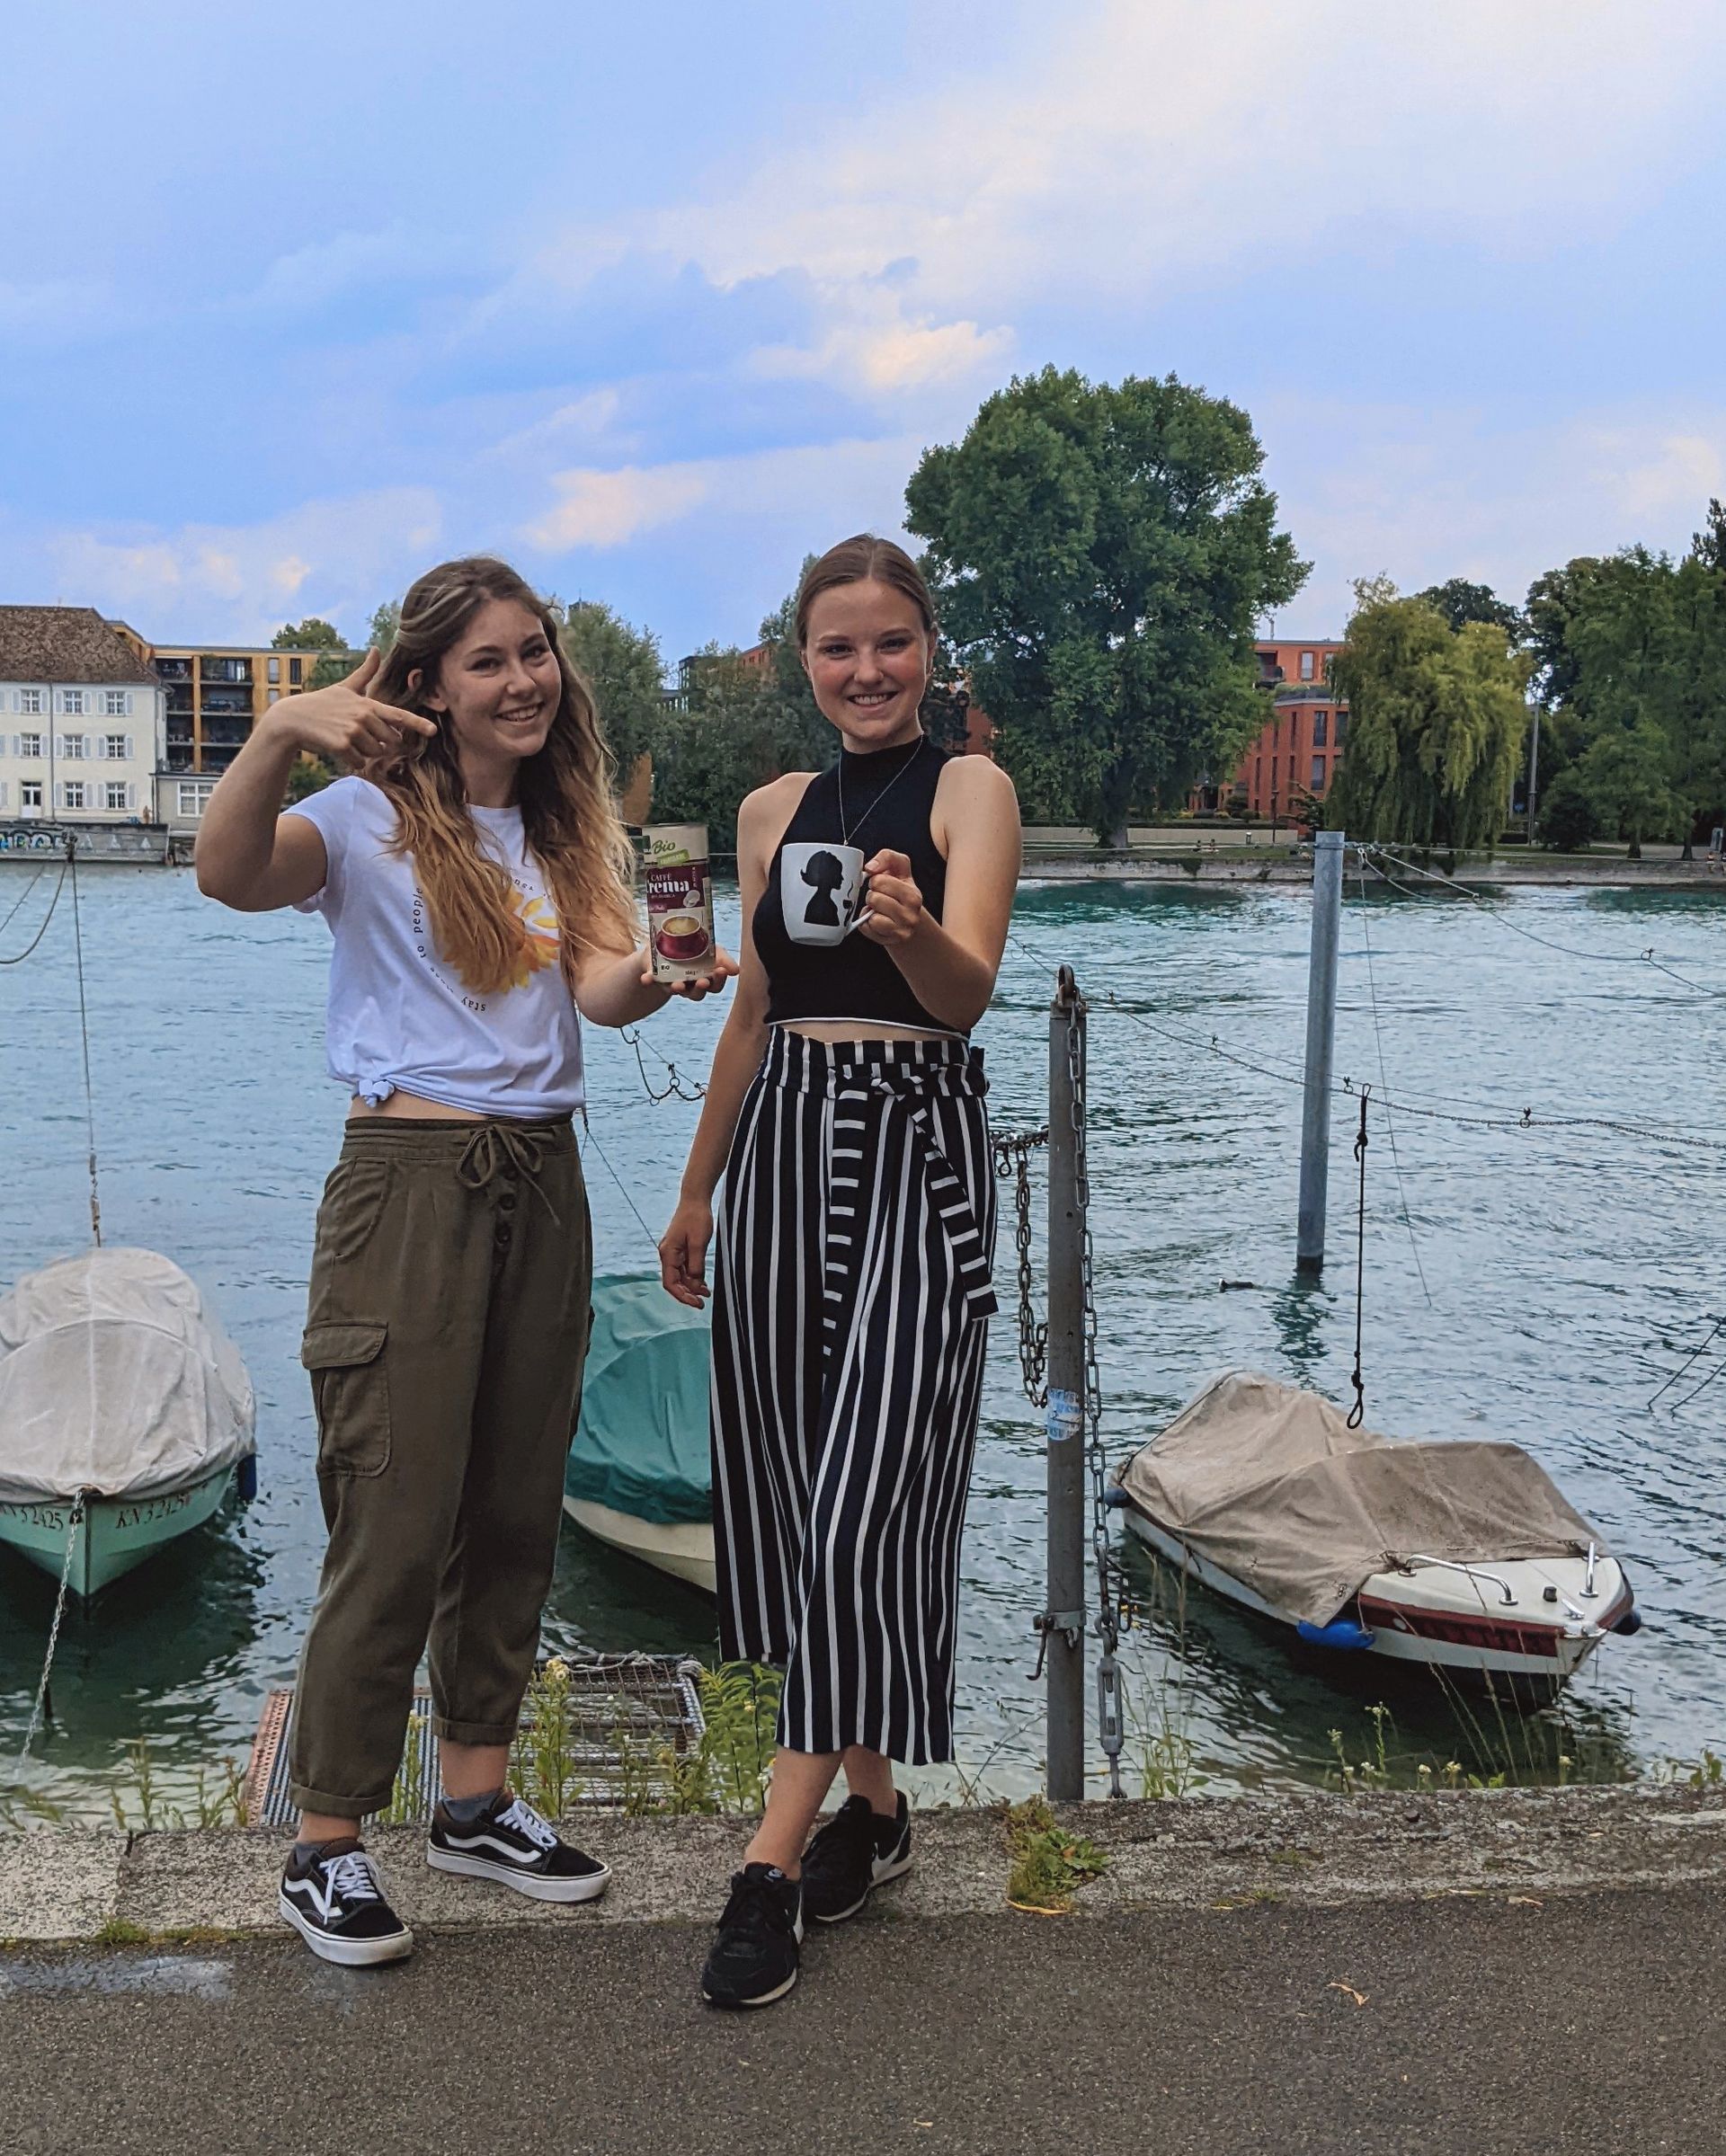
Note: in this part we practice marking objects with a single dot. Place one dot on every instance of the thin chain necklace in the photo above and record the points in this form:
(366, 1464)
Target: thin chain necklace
(844, 828)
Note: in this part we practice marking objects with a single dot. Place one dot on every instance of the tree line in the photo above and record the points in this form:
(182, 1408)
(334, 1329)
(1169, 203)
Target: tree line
(1103, 557)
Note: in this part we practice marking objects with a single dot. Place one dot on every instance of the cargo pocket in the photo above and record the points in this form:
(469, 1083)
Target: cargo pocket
(350, 1389)
(353, 1205)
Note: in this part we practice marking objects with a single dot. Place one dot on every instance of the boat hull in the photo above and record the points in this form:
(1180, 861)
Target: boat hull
(684, 1549)
(1479, 1643)
(116, 1535)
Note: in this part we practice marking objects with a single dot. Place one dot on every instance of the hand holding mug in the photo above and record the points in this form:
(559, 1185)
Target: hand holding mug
(895, 911)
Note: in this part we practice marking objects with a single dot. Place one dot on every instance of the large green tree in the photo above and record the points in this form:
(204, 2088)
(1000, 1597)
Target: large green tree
(1631, 655)
(623, 668)
(312, 634)
(1101, 555)
(1461, 603)
(1436, 721)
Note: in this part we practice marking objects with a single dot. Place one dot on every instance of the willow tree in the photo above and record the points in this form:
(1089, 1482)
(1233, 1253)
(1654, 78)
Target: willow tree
(1101, 555)
(1438, 718)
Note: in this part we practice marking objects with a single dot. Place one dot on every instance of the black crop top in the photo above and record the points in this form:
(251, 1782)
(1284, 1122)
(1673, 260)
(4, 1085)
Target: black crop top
(888, 798)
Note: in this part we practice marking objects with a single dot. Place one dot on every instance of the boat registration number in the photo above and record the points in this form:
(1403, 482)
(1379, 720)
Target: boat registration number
(35, 1516)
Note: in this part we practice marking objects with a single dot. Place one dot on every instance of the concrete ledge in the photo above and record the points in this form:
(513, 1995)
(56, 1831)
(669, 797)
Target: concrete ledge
(1308, 1848)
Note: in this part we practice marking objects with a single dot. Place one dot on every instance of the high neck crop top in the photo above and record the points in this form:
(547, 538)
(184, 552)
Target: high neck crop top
(887, 798)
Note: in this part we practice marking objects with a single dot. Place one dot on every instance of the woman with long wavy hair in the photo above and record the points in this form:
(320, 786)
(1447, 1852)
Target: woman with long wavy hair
(476, 882)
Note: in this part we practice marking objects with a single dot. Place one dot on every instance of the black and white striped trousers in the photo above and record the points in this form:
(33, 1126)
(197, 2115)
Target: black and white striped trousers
(849, 1319)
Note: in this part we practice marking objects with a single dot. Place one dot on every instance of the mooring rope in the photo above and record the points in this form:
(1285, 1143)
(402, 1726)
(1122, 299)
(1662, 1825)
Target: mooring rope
(83, 1031)
(18, 958)
(41, 1704)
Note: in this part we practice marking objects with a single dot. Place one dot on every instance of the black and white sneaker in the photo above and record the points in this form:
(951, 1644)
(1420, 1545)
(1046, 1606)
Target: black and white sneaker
(854, 1853)
(513, 1844)
(331, 1896)
(755, 1958)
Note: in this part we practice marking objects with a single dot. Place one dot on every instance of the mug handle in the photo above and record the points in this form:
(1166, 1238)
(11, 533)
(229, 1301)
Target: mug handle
(865, 912)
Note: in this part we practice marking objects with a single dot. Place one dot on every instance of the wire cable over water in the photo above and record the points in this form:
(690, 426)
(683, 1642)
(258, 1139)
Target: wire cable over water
(53, 906)
(1378, 854)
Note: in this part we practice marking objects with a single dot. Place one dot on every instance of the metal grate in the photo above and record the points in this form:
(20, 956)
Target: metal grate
(623, 1714)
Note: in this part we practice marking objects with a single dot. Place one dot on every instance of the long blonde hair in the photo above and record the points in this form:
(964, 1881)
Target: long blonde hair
(568, 817)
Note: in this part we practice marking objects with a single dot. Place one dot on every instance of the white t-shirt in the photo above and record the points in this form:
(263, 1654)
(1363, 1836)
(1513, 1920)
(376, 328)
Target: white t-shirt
(400, 1018)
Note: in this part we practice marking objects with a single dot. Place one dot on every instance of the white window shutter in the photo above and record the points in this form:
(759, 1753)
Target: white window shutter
(131, 797)
(130, 750)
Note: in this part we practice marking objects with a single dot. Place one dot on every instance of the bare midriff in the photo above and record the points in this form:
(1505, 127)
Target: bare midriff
(411, 1105)
(835, 1030)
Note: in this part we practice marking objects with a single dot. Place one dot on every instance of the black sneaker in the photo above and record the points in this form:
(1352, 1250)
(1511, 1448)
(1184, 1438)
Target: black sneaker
(512, 1843)
(331, 1896)
(854, 1853)
(755, 1958)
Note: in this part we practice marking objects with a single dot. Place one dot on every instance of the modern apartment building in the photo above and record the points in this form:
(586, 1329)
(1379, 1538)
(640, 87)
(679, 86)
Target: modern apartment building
(82, 720)
(215, 693)
(1300, 745)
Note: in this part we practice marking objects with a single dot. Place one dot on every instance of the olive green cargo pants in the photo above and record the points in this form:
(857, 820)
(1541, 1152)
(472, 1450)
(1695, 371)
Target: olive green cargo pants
(448, 1323)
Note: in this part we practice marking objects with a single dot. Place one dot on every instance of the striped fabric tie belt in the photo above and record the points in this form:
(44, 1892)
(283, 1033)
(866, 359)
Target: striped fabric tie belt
(906, 1089)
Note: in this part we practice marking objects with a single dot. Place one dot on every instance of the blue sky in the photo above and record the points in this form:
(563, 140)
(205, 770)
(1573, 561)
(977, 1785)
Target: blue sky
(654, 300)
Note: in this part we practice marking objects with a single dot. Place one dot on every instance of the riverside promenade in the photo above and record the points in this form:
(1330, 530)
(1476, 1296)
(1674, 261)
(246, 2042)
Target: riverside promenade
(1527, 1972)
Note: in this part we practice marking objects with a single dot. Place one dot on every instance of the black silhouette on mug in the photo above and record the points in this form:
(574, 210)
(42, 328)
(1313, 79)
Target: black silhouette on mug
(826, 873)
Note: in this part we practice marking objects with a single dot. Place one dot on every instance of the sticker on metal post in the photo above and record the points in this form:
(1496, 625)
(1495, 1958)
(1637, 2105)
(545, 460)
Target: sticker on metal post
(1065, 1418)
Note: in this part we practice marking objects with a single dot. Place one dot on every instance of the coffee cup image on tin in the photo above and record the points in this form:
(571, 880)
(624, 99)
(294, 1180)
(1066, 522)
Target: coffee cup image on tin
(682, 936)
(820, 888)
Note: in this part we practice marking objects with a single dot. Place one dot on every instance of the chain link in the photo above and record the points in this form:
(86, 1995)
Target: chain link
(1013, 1150)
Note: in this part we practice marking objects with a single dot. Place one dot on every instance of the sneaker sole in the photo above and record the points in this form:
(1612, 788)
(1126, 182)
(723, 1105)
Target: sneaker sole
(764, 1999)
(537, 1889)
(347, 1953)
(895, 1870)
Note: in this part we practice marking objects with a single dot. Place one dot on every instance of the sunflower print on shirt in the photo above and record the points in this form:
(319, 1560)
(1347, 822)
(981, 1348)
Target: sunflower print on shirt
(536, 918)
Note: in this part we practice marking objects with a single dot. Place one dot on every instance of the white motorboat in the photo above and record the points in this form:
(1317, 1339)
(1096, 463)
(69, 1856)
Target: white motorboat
(126, 1414)
(1463, 1556)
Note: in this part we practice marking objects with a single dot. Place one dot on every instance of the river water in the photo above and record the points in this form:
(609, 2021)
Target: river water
(1535, 1284)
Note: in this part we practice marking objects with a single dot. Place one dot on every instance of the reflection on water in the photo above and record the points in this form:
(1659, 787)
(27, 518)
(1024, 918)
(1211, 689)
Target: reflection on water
(1570, 1272)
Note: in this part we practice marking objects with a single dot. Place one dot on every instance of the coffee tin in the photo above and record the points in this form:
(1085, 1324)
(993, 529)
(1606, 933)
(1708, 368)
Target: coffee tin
(679, 900)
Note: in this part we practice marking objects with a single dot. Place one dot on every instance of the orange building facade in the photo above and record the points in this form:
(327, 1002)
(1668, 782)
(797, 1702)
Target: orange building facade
(1297, 752)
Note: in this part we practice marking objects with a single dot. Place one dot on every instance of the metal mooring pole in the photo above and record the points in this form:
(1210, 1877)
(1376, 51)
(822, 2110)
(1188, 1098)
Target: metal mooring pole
(1321, 1039)
(1064, 1618)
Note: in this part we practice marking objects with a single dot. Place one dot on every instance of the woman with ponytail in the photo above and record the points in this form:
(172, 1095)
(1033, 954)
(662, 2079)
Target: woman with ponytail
(476, 882)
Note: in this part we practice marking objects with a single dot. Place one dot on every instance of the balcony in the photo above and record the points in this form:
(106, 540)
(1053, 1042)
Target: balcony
(179, 756)
(225, 670)
(173, 670)
(178, 733)
(225, 734)
(227, 703)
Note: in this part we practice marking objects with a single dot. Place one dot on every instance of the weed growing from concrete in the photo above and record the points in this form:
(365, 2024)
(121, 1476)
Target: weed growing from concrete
(1049, 1865)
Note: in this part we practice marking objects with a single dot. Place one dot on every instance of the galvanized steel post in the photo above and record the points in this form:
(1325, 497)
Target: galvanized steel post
(1063, 1618)
(1320, 1038)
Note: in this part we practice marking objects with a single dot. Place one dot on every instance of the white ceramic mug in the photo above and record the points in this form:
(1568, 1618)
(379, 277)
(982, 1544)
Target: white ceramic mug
(823, 889)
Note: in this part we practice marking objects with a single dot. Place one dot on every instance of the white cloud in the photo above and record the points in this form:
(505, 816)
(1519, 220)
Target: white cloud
(870, 344)
(607, 508)
(233, 583)
(1429, 494)
(853, 485)
(1146, 147)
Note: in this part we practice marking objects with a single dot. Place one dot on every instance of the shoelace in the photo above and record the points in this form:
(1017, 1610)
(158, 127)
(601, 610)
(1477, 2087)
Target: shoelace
(526, 1820)
(754, 1905)
(352, 1878)
(849, 1837)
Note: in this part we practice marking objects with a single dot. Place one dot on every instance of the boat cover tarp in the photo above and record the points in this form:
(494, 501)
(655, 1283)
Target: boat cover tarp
(641, 1442)
(116, 1377)
(1270, 1484)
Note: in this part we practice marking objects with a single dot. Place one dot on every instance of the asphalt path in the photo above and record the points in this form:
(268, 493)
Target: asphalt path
(1454, 2026)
